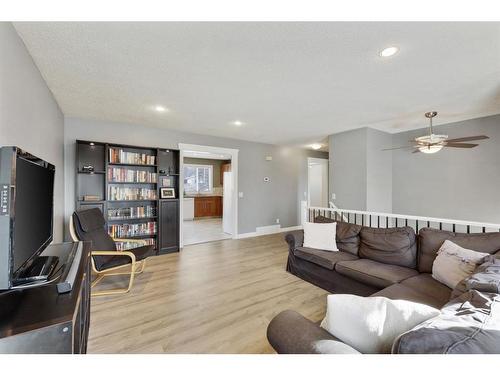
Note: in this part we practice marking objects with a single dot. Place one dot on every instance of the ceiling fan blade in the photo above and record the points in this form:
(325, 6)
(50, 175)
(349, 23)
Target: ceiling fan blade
(396, 148)
(461, 145)
(465, 139)
(417, 150)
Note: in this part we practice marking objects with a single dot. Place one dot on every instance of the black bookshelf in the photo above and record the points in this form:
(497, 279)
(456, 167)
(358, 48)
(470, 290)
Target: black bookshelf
(142, 170)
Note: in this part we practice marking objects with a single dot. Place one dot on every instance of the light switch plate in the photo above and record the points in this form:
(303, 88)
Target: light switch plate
(240, 194)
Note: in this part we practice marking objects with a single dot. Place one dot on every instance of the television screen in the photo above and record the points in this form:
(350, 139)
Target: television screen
(32, 210)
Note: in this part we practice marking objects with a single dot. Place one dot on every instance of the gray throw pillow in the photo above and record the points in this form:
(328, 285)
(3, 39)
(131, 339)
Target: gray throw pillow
(485, 278)
(469, 324)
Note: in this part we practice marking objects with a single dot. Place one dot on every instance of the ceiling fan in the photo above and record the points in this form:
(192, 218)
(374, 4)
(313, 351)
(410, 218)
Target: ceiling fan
(432, 143)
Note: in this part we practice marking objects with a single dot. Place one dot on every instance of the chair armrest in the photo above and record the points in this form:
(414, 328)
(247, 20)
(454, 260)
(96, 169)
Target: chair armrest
(291, 333)
(114, 253)
(295, 239)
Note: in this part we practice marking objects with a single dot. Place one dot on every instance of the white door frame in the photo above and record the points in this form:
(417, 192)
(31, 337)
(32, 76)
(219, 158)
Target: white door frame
(234, 168)
(321, 161)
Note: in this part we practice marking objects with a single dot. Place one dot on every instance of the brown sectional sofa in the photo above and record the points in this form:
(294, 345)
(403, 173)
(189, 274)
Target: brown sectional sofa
(394, 263)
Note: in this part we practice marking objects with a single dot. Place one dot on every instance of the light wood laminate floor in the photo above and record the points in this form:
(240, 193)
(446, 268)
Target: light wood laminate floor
(216, 297)
(203, 230)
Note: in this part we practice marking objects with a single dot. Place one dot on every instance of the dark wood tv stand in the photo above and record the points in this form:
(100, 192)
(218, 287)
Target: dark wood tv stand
(40, 320)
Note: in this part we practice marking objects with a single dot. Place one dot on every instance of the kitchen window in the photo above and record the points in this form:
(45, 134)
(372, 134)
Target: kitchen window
(198, 179)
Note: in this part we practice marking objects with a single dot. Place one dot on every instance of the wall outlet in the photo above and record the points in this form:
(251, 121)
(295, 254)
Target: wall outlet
(277, 221)
(240, 194)
(334, 196)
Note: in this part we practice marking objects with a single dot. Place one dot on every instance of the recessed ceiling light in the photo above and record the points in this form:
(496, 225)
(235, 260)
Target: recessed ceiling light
(160, 108)
(237, 123)
(316, 146)
(389, 51)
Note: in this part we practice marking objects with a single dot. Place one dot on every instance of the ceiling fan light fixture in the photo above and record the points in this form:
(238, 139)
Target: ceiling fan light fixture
(430, 149)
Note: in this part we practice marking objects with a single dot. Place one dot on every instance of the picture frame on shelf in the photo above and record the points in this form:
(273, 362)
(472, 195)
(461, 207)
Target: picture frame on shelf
(167, 193)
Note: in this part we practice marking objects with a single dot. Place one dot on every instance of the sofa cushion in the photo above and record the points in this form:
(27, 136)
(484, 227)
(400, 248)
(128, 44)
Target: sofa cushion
(347, 234)
(374, 273)
(323, 258)
(430, 240)
(427, 285)
(400, 291)
(395, 246)
(469, 324)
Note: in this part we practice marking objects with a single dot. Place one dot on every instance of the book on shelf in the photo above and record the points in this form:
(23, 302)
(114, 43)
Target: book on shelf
(91, 198)
(122, 246)
(131, 212)
(117, 174)
(120, 193)
(132, 230)
(117, 155)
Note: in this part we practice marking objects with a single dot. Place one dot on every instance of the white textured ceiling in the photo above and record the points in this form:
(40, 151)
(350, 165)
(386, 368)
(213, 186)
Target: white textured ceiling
(290, 83)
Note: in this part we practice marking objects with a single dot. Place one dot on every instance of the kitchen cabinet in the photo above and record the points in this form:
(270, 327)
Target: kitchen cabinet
(210, 206)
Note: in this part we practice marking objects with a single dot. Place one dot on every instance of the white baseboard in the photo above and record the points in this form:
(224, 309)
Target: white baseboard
(272, 230)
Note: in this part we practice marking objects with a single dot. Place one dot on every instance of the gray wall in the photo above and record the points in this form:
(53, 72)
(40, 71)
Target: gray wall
(262, 202)
(348, 169)
(453, 183)
(29, 116)
(378, 171)
(360, 175)
(215, 163)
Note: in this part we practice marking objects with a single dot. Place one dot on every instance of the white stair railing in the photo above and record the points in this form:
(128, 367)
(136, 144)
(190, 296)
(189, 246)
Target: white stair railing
(332, 205)
(388, 220)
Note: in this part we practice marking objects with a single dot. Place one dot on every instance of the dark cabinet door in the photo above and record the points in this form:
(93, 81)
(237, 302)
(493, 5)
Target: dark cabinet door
(169, 225)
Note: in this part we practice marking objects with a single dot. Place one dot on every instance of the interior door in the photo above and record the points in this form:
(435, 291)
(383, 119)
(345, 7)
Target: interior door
(317, 184)
(227, 203)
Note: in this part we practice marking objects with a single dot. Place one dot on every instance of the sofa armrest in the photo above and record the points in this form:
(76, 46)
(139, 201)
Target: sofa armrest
(291, 333)
(295, 239)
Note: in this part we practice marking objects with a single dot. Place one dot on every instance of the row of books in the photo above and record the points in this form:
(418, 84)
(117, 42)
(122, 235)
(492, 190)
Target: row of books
(117, 155)
(132, 230)
(120, 193)
(122, 246)
(130, 175)
(131, 212)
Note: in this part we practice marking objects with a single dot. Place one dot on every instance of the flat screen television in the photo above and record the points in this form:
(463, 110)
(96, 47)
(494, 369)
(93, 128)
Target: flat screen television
(26, 212)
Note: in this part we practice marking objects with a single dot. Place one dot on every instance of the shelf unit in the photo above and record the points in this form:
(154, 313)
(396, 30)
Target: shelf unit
(165, 212)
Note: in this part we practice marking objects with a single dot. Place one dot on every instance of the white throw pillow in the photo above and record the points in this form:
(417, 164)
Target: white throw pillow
(454, 263)
(371, 324)
(320, 236)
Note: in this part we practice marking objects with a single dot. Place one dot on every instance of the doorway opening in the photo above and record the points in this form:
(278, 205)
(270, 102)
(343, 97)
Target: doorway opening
(317, 182)
(209, 193)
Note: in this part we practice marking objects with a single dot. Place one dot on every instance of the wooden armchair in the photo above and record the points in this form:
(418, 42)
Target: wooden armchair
(106, 260)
